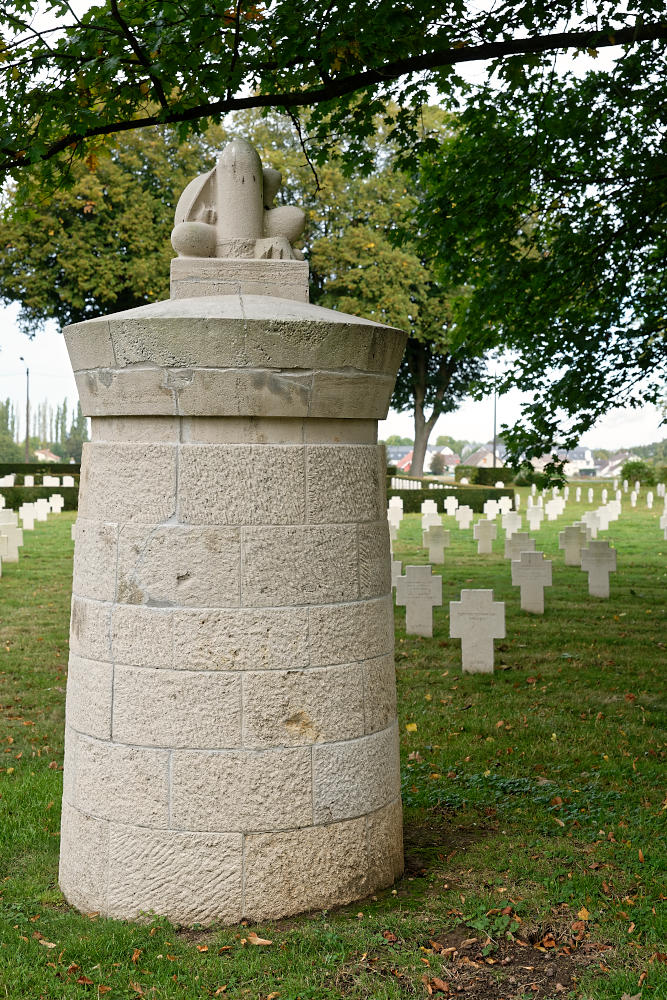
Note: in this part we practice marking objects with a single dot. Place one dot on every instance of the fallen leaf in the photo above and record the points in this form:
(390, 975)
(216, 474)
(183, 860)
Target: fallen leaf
(273, 996)
(202, 947)
(137, 988)
(84, 981)
(411, 727)
(559, 821)
(583, 913)
(389, 936)
(631, 927)
(253, 939)
(103, 989)
(72, 969)
(641, 855)
(135, 955)
(439, 986)
(47, 944)
(549, 941)
(220, 989)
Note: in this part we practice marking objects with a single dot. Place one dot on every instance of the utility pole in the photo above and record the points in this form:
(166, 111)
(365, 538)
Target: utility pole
(27, 410)
(494, 422)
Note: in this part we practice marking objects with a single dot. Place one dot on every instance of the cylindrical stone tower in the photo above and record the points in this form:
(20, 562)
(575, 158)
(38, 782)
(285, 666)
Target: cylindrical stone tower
(231, 741)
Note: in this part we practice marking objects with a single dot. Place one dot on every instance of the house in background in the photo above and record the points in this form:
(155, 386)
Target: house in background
(44, 455)
(483, 457)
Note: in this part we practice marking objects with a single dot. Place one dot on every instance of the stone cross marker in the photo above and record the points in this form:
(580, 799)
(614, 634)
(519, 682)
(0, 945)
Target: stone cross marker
(591, 519)
(598, 560)
(663, 523)
(231, 690)
(419, 591)
(437, 540)
(649, 500)
(572, 540)
(491, 509)
(451, 505)
(535, 517)
(625, 486)
(517, 501)
(605, 496)
(552, 509)
(505, 505)
(577, 494)
(519, 542)
(590, 494)
(429, 507)
(511, 522)
(396, 571)
(633, 498)
(484, 533)
(477, 620)
(463, 516)
(532, 573)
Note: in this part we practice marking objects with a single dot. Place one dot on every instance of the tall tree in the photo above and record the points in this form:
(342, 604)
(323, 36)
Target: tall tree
(551, 206)
(69, 78)
(10, 451)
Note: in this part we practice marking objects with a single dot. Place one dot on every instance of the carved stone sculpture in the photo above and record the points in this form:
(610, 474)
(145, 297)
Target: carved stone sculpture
(231, 735)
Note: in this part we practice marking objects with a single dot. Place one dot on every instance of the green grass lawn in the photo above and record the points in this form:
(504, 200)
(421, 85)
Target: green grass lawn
(534, 799)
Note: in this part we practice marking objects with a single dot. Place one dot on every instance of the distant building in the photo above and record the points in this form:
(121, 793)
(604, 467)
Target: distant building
(44, 455)
(611, 467)
(483, 457)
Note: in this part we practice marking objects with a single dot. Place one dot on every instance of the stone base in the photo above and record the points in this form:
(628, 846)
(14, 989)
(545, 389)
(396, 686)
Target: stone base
(197, 276)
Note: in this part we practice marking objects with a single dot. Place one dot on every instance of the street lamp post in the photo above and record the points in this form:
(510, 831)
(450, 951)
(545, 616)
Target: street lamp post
(494, 422)
(27, 410)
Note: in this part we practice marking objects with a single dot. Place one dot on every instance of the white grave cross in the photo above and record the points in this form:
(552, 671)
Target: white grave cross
(520, 542)
(477, 620)
(532, 573)
(484, 533)
(572, 540)
(511, 522)
(437, 540)
(598, 560)
(419, 591)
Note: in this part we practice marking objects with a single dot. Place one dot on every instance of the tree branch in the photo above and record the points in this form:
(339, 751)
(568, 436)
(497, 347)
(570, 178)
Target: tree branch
(140, 54)
(343, 86)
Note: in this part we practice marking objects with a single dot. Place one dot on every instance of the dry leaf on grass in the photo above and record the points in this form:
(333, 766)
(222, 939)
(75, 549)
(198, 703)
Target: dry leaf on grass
(254, 939)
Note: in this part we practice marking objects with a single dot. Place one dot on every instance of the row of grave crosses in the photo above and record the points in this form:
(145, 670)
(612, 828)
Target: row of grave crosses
(11, 535)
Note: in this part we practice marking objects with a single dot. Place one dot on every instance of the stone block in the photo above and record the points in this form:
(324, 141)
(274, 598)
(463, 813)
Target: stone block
(84, 858)
(128, 482)
(113, 781)
(90, 629)
(309, 869)
(355, 777)
(176, 708)
(332, 431)
(343, 633)
(125, 392)
(89, 692)
(89, 345)
(136, 428)
(362, 396)
(270, 639)
(379, 693)
(384, 830)
(299, 565)
(344, 483)
(300, 707)
(169, 565)
(178, 342)
(241, 791)
(242, 430)
(142, 637)
(241, 484)
(187, 877)
(95, 559)
(374, 559)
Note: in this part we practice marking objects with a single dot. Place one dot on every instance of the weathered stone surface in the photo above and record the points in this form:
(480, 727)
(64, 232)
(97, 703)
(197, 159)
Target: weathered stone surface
(89, 345)
(84, 858)
(142, 637)
(89, 693)
(177, 343)
(341, 633)
(95, 559)
(385, 845)
(267, 639)
(344, 483)
(379, 693)
(300, 707)
(362, 396)
(187, 877)
(355, 777)
(113, 780)
(128, 482)
(90, 629)
(241, 791)
(374, 559)
(241, 391)
(176, 708)
(170, 564)
(299, 565)
(126, 392)
(136, 428)
(240, 484)
(314, 868)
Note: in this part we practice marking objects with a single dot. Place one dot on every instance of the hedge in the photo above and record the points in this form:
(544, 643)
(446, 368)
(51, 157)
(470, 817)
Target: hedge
(17, 495)
(22, 469)
(483, 476)
(470, 496)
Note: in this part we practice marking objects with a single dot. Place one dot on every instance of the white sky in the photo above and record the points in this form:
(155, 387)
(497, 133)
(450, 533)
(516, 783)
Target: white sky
(51, 376)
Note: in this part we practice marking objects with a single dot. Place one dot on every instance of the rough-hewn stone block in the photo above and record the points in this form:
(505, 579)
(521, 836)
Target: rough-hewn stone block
(187, 877)
(90, 629)
(299, 565)
(89, 345)
(84, 858)
(379, 692)
(241, 791)
(241, 484)
(126, 392)
(128, 482)
(176, 708)
(374, 559)
(175, 565)
(113, 780)
(88, 708)
(142, 637)
(343, 483)
(355, 777)
(314, 868)
(95, 559)
(341, 633)
(385, 845)
(298, 707)
(267, 639)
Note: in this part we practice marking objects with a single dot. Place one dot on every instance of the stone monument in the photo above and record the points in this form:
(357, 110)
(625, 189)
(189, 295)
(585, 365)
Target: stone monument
(231, 737)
